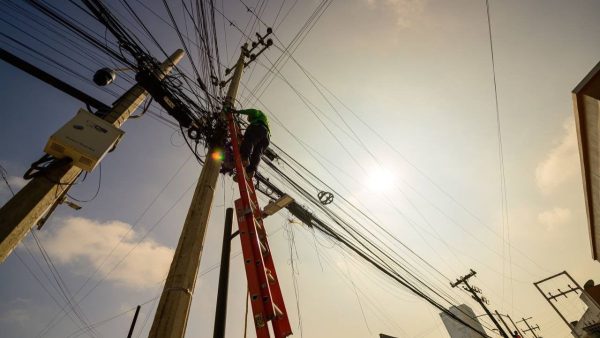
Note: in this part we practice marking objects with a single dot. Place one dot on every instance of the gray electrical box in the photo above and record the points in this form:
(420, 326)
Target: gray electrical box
(85, 139)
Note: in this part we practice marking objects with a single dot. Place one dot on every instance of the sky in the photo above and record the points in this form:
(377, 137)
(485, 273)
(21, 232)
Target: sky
(419, 73)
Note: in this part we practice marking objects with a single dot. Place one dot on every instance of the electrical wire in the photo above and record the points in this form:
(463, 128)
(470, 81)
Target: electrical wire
(503, 187)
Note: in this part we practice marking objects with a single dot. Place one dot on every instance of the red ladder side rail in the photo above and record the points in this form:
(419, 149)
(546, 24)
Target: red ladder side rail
(260, 297)
(252, 272)
(281, 322)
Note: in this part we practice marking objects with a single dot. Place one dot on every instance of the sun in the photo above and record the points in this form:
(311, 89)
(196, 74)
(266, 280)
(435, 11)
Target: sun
(380, 179)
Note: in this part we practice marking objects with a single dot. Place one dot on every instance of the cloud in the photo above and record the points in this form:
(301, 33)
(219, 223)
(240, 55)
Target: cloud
(16, 312)
(554, 218)
(84, 243)
(406, 11)
(16, 183)
(561, 164)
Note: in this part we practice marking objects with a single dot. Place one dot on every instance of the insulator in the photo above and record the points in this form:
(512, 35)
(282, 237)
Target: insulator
(269, 30)
(269, 42)
(325, 197)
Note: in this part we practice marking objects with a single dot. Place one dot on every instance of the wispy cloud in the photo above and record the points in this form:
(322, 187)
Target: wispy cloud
(16, 183)
(554, 218)
(406, 11)
(561, 164)
(16, 312)
(83, 242)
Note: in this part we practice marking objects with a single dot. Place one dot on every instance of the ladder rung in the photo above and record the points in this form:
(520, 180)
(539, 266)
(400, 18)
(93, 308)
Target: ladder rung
(270, 276)
(254, 205)
(278, 312)
(263, 248)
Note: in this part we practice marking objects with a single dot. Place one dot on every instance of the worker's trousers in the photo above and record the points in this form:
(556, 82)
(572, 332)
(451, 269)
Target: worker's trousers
(256, 141)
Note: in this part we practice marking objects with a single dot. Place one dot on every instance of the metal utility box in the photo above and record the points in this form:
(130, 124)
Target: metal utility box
(85, 139)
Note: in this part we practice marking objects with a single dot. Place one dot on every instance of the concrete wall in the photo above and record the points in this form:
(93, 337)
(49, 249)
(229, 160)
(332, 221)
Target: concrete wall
(457, 329)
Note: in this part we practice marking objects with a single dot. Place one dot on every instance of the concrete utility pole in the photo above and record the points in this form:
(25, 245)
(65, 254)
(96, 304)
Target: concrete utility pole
(171, 316)
(42, 193)
(475, 294)
(529, 328)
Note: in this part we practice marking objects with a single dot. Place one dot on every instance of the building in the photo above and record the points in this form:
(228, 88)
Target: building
(589, 324)
(457, 329)
(586, 105)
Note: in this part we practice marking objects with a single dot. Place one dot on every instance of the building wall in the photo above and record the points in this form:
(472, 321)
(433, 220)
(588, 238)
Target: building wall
(589, 324)
(457, 329)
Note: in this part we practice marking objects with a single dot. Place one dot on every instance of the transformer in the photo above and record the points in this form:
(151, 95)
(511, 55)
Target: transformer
(86, 139)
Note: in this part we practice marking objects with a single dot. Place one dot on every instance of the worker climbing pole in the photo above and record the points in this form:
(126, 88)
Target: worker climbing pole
(266, 298)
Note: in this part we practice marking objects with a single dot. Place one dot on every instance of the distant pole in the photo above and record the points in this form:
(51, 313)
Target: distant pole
(42, 193)
(529, 328)
(137, 312)
(553, 297)
(171, 316)
(515, 325)
(475, 294)
(221, 312)
(503, 322)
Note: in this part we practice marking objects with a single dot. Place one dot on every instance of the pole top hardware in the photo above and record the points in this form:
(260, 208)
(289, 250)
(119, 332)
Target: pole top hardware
(247, 52)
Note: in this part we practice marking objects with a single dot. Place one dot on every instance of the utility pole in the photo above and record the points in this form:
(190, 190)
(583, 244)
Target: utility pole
(474, 291)
(553, 297)
(529, 328)
(514, 325)
(503, 322)
(171, 316)
(222, 291)
(135, 317)
(42, 193)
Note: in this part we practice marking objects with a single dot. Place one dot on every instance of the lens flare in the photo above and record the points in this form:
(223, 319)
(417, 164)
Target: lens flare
(217, 155)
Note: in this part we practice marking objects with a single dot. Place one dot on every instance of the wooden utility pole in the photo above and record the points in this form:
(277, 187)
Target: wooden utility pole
(515, 328)
(514, 325)
(42, 193)
(529, 328)
(135, 317)
(554, 297)
(171, 316)
(222, 291)
(475, 294)
(510, 331)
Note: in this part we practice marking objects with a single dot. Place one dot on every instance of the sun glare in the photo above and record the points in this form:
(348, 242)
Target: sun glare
(380, 179)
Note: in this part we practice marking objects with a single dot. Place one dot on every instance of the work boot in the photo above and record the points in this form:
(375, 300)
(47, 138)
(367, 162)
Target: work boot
(249, 176)
(227, 167)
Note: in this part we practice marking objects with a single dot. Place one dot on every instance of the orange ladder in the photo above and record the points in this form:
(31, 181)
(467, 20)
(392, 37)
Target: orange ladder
(266, 298)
